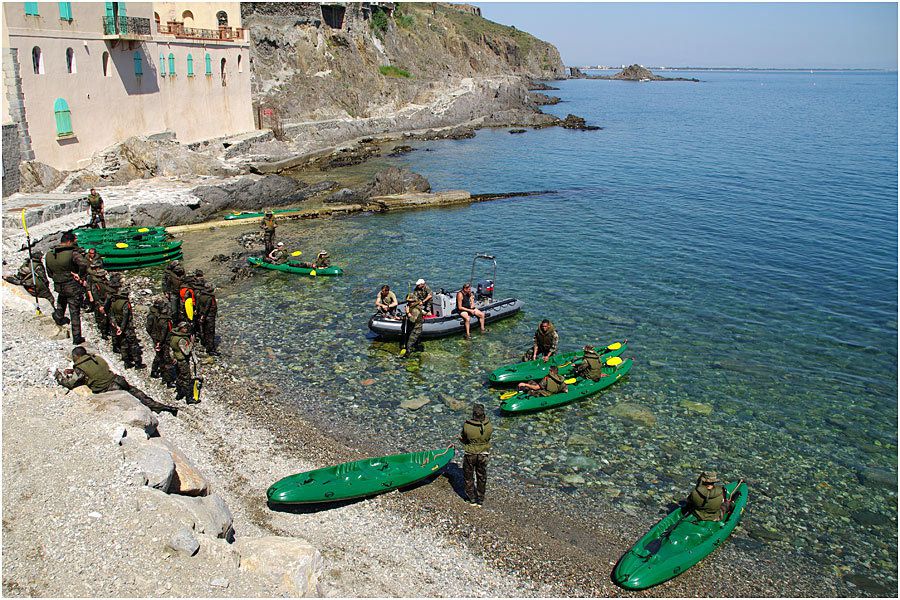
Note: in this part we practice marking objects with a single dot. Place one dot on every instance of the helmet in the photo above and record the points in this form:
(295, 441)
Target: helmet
(159, 303)
(198, 273)
(179, 270)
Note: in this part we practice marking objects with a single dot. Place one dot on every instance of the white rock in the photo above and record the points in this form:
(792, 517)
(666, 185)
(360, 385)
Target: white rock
(121, 407)
(415, 403)
(219, 582)
(292, 564)
(188, 480)
(94, 515)
(184, 542)
(155, 464)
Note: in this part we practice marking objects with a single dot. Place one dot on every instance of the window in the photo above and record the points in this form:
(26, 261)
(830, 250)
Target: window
(37, 60)
(171, 64)
(190, 66)
(31, 8)
(222, 18)
(222, 71)
(208, 64)
(162, 65)
(240, 64)
(138, 65)
(107, 70)
(65, 11)
(70, 60)
(188, 18)
(63, 118)
(156, 18)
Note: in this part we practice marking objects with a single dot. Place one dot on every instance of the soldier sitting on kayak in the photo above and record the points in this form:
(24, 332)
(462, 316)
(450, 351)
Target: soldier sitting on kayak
(546, 342)
(386, 303)
(591, 366)
(277, 256)
(553, 383)
(322, 262)
(707, 500)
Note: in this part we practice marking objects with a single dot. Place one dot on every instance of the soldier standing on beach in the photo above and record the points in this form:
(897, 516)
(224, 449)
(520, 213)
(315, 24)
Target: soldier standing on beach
(207, 309)
(99, 291)
(159, 327)
(181, 343)
(268, 226)
(64, 263)
(476, 439)
(121, 320)
(26, 279)
(95, 205)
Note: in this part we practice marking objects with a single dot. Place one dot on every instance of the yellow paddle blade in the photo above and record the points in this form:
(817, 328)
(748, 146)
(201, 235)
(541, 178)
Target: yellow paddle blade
(196, 390)
(313, 272)
(236, 212)
(143, 230)
(121, 245)
(614, 361)
(507, 395)
(296, 253)
(189, 308)
(24, 226)
(570, 381)
(614, 346)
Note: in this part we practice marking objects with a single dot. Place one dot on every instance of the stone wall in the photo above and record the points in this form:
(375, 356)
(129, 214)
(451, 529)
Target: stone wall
(11, 159)
(15, 100)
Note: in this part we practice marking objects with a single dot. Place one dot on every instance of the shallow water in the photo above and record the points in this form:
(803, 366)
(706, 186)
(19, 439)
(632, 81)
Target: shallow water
(740, 232)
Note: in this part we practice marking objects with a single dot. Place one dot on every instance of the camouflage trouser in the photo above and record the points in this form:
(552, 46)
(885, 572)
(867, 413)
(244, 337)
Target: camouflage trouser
(70, 295)
(162, 361)
(208, 332)
(269, 239)
(127, 343)
(415, 333)
(119, 383)
(475, 475)
(183, 378)
(97, 218)
(102, 321)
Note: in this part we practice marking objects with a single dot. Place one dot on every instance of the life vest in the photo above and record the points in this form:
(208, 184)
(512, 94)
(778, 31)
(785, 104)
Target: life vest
(62, 263)
(554, 384)
(97, 373)
(476, 436)
(707, 505)
(544, 339)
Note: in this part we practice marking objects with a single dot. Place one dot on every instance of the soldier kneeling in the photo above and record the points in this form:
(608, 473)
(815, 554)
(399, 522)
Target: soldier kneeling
(91, 370)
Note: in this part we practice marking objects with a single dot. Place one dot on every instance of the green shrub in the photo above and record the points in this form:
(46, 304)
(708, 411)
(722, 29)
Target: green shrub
(379, 22)
(392, 71)
(402, 19)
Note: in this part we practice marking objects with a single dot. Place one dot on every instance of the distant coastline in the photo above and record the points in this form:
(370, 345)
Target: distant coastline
(751, 69)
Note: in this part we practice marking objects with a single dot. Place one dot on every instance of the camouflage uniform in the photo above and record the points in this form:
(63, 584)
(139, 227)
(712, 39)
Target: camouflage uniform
(121, 318)
(91, 370)
(181, 343)
(206, 310)
(173, 281)
(98, 291)
(268, 226)
(414, 320)
(476, 439)
(96, 203)
(24, 278)
(706, 504)
(591, 367)
(64, 263)
(159, 326)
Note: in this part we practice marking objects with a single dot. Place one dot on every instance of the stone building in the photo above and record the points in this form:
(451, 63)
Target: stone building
(79, 77)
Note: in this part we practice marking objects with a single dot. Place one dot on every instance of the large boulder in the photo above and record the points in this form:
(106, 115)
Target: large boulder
(292, 564)
(35, 176)
(187, 478)
(633, 412)
(121, 408)
(395, 180)
(155, 465)
(255, 193)
(206, 514)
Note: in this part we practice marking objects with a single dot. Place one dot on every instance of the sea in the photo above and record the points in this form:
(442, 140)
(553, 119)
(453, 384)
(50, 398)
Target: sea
(740, 232)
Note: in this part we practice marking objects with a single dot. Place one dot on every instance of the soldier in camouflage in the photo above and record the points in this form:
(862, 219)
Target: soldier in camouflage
(64, 263)
(95, 206)
(26, 279)
(121, 321)
(159, 327)
(268, 226)
(206, 311)
(181, 343)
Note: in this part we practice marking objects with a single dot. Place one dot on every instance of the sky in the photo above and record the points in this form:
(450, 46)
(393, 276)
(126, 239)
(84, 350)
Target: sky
(784, 35)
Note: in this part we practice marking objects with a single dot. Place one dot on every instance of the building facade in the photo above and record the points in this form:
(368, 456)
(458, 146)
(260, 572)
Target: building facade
(92, 74)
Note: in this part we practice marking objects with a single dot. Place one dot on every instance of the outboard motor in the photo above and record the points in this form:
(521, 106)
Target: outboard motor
(484, 290)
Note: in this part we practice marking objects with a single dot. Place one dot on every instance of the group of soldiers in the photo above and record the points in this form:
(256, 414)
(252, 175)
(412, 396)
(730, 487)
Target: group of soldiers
(187, 312)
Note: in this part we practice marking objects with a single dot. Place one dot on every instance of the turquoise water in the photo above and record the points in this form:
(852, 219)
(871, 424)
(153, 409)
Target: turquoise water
(740, 232)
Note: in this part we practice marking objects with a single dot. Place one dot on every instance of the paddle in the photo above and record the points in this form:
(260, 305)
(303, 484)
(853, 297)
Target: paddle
(121, 245)
(189, 308)
(654, 545)
(37, 306)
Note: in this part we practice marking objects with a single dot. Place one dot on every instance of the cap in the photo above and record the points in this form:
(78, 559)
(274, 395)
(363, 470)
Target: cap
(269, 212)
(323, 253)
(279, 244)
(159, 302)
(478, 412)
(420, 281)
(709, 477)
(182, 325)
(174, 263)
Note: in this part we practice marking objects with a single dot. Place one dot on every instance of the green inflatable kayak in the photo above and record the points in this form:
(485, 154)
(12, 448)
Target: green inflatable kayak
(615, 369)
(662, 554)
(135, 249)
(114, 234)
(293, 268)
(250, 215)
(127, 260)
(534, 370)
(358, 478)
(140, 264)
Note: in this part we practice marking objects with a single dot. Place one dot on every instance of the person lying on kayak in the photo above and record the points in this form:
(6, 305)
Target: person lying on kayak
(386, 303)
(546, 342)
(590, 367)
(707, 500)
(322, 262)
(277, 256)
(553, 383)
(465, 306)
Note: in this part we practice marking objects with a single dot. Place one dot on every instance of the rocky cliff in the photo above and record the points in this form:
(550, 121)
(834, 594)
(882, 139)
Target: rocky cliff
(312, 61)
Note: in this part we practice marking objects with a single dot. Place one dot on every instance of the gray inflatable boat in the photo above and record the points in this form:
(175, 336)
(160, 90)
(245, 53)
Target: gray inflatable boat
(443, 319)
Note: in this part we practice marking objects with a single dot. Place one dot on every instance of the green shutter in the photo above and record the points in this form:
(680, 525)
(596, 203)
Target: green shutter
(122, 9)
(138, 66)
(171, 64)
(162, 65)
(63, 117)
(65, 11)
(208, 64)
(31, 8)
(109, 10)
(190, 66)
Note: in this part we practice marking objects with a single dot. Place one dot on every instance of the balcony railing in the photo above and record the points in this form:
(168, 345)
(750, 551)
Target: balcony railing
(180, 31)
(126, 26)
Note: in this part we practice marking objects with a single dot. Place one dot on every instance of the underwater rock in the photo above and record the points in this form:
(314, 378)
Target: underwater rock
(636, 413)
(698, 407)
(415, 403)
(878, 477)
(453, 403)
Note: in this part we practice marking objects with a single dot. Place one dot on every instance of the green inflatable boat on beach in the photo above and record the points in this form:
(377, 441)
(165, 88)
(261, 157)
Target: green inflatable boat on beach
(676, 544)
(519, 402)
(359, 478)
(293, 268)
(121, 264)
(134, 249)
(118, 234)
(534, 370)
